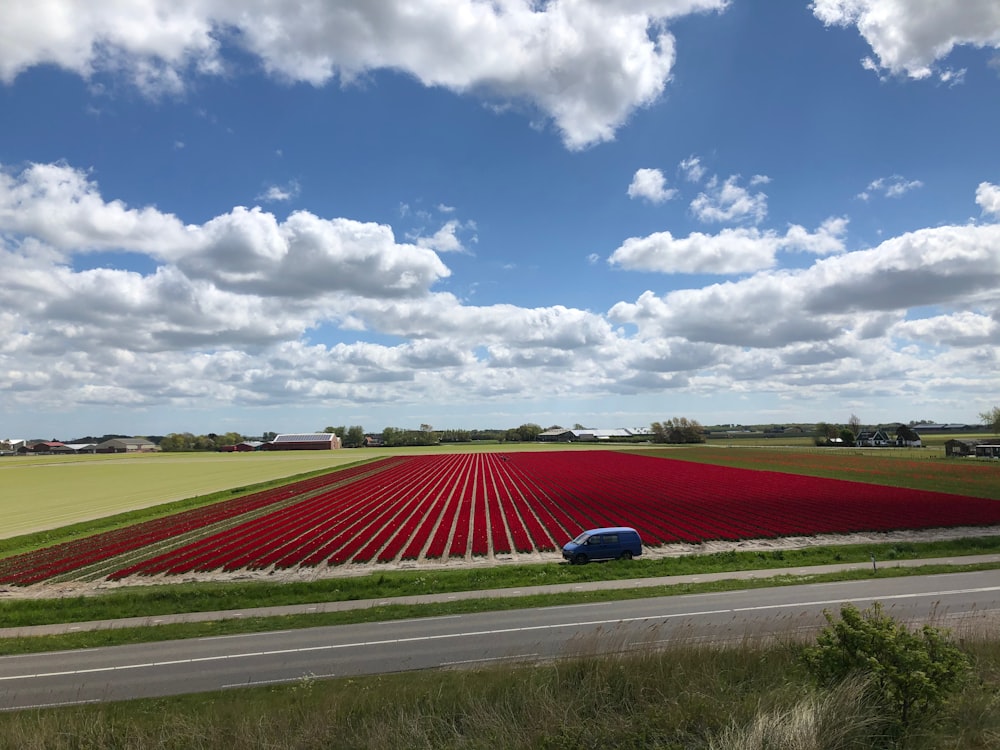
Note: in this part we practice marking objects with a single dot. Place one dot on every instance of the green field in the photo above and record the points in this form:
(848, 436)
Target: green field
(46, 492)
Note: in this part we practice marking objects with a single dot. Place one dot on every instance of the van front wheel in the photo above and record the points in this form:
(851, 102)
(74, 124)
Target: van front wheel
(626, 555)
(580, 559)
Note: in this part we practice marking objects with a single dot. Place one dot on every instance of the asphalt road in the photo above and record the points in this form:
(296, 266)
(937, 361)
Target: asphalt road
(188, 666)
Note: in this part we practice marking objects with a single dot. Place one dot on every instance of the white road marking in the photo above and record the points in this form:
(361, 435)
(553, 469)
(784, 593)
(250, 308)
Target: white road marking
(482, 633)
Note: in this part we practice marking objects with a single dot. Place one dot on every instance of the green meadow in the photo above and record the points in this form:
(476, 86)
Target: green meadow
(45, 492)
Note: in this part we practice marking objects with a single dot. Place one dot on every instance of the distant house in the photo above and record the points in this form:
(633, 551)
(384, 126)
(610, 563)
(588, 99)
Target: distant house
(372, 441)
(311, 441)
(248, 445)
(49, 446)
(961, 447)
(873, 439)
(127, 445)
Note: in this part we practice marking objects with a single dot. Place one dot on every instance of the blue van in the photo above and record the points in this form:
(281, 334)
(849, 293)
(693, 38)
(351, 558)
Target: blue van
(612, 543)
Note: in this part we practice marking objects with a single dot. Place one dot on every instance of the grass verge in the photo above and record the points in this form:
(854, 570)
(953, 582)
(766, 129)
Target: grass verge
(686, 696)
(382, 613)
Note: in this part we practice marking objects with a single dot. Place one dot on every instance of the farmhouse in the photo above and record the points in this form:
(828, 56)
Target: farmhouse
(48, 446)
(313, 441)
(127, 445)
(873, 439)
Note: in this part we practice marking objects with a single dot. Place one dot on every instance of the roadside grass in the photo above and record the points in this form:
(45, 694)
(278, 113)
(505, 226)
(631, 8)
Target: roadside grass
(151, 602)
(160, 599)
(684, 695)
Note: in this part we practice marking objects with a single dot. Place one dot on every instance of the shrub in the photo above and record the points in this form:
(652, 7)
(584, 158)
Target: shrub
(911, 672)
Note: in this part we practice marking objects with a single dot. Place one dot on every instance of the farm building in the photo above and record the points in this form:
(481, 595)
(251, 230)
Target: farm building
(82, 447)
(313, 441)
(961, 447)
(560, 435)
(988, 450)
(47, 446)
(127, 445)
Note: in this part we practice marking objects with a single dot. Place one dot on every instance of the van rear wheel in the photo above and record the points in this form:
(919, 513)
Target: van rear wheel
(626, 555)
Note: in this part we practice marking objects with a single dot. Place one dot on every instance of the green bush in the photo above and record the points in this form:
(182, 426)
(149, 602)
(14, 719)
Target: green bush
(911, 672)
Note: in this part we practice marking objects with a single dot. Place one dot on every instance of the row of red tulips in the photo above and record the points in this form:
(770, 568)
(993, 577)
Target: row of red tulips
(441, 507)
(448, 506)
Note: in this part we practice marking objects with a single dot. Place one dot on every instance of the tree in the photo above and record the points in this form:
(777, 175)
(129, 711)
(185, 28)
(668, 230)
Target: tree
(824, 432)
(911, 672)
(677, 430)
(177, 441)
(354, 437)
(991, 419)
(854, 423)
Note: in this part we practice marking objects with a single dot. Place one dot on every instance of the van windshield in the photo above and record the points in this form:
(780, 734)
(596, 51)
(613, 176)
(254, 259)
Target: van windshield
(582, 539)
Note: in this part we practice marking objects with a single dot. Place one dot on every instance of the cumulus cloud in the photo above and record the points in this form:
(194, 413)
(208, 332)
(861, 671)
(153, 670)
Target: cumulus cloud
(965, 328)
(651, 185)
(586, 64)
(445, 239)
(728, 201)
(245, 250)
(864, 291)
(731, 251)
(889, 187)
(988, 198)
(910, 36)
(227, 313)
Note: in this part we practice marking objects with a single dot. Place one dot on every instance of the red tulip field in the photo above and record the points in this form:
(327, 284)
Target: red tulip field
(486, 505)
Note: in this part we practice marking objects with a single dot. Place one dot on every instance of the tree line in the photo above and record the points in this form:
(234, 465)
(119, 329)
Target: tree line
(676, 430)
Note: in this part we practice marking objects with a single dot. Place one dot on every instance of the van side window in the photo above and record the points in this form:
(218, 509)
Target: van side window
(611, 539)
(596, 539)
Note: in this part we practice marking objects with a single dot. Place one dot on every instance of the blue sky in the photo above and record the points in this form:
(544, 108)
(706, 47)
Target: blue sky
(219, 217)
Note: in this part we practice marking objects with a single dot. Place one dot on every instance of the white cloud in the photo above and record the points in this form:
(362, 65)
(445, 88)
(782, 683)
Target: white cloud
(910, 36)
(445, 239)
(965, 328)
(280, 193)
(731, 251)
(729, 202)
(988, 198)
(862, 292)
(227, 315)
(246, 250)
(585, 64)
(692, 169)
(651, 185)
(889, 187)
(63, 207)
